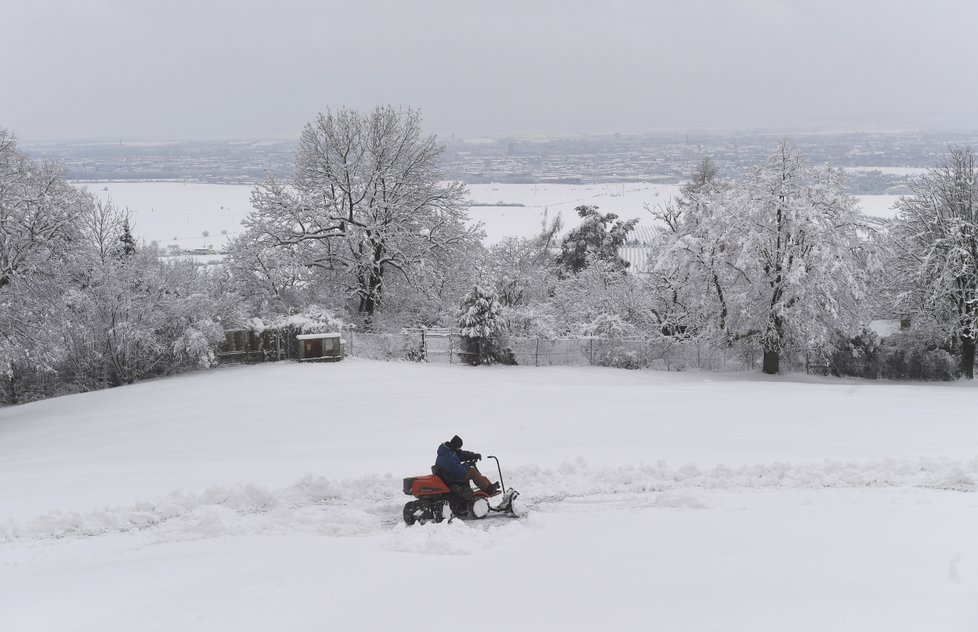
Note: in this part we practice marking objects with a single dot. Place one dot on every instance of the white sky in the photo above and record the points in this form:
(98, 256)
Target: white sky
(181, 69)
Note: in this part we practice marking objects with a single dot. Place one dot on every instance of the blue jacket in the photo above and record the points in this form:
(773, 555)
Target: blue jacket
(450, 463)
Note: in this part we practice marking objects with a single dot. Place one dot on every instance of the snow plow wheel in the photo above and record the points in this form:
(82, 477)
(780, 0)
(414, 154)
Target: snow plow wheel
(514, 506)
(479, 507)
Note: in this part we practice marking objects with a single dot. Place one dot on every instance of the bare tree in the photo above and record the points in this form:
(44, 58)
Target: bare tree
(368, 199)
(103, 228)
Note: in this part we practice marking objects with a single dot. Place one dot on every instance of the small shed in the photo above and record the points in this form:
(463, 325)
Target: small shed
(321, 347)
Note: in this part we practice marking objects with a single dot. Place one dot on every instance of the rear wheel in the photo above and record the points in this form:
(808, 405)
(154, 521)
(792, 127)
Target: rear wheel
(409, 508)
(442, 510)
(479, 507)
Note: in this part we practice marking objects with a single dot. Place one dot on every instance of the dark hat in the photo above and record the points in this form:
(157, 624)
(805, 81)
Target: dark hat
(455, 443)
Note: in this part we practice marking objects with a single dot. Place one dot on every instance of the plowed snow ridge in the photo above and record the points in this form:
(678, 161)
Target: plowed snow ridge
(370, 504)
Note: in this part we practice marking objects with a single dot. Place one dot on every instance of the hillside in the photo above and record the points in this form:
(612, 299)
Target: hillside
(268, 497)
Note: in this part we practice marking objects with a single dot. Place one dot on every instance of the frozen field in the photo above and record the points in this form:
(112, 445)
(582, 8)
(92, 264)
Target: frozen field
(268, 498)
(179, 213)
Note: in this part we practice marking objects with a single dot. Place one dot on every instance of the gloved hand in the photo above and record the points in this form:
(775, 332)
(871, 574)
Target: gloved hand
(478, 457)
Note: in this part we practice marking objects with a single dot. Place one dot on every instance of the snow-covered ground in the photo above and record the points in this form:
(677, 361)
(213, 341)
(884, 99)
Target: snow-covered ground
(268, 498)
(878, 205)
(180, 213)
(544, 202)
(893, 171)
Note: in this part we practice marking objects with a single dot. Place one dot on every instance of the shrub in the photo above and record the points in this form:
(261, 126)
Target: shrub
(916, 357)
(858, 356)
(902, 356)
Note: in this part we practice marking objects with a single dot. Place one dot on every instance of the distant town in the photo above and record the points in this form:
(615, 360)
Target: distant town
(878, 163)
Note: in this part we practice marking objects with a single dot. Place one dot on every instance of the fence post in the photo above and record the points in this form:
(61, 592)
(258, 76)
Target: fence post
(536, 361)
(449, 347)
(590, 352)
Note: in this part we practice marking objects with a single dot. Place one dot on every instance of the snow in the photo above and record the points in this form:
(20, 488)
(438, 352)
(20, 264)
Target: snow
(177, 213)
(893, 171)
(545, 201)
(230, 500)
(881, 206)
(334, 334)
(884, 328)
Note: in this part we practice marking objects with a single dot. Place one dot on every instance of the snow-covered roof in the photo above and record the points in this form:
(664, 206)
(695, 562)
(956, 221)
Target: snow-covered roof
(317, 336)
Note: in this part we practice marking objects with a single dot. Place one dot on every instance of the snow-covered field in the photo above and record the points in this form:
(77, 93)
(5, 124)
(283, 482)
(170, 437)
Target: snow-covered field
(268, 498)
(892, 171)
(179, 213)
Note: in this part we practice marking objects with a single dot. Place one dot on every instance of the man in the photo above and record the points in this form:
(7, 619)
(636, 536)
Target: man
(457, 468)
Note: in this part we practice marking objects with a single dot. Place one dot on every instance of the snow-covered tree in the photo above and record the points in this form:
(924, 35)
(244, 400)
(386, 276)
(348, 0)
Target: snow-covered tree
(82, 306)
(367, 199)
(597, 238)
(480, 327)
(270, 278)
(689, 270)
(777, 259)
(799, 255)
(601, 290)
(38, 226)
(130, 315)
(127, 243)
(429, 296)
(522, 270)
(935, 237)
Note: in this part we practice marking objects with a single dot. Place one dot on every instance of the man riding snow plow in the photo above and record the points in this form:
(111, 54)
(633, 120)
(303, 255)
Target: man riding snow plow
(447, 493)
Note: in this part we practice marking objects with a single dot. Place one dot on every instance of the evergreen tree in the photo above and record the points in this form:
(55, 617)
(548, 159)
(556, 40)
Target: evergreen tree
(481, 329)
(598, 237)
(127, 244)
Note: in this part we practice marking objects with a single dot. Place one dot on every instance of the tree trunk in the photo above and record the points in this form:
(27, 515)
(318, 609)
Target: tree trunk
(772, 362)
(370, 297)
(367, 306)
(968, 357)
(772, 345)
(12, 387)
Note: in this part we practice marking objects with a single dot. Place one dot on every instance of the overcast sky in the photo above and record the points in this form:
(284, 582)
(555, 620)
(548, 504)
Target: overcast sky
(223, 69)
